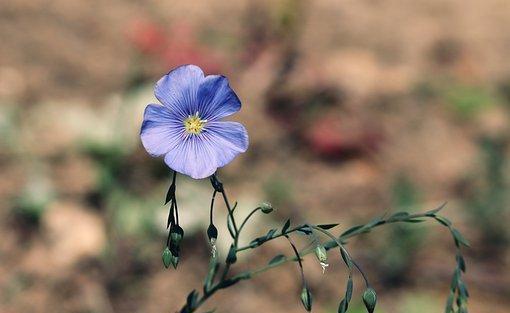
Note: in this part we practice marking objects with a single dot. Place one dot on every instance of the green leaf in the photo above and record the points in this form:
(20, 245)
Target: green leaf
(455, 280)
(463, 290)
(211, 274)
(277, 259)
(376, 221)
(305, 230)
(370, 299)
(327, 226)
(415, 220)
(433, 212)
(167, 257)
(459, 239)
(342, 307)
(348, 290)
(398, 216)
(443, 220)
(449, 303)
(270, 234)
(460, 262)
(346, 258)
(351, 230)
(286, 226)
(191, 300)
(231, 257)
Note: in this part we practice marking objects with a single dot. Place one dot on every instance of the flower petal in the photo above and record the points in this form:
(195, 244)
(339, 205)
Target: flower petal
(201, 155)
(192, 157)
(216, 99)
(178, 89)
(228, 139)
(161, 131)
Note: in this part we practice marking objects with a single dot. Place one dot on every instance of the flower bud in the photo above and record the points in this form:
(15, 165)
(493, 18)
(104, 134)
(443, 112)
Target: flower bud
(176, 234)
(306, 299)
(175, 261)
(266, 207)
(212, 233)
(166, 256)
(370, 299)
(322, 256)
(321, 253)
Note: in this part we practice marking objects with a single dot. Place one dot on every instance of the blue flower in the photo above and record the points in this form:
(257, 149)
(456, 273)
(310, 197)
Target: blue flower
(188, 129)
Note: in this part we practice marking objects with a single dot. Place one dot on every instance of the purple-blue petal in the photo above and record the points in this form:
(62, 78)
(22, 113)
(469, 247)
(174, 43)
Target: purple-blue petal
(193, 158)
(184, 92)
(161, 131)
(199, 156)
(216, 99)
(178, 90)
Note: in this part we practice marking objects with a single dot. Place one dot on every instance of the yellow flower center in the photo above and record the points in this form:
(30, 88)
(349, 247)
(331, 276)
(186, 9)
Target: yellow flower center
(194, 125)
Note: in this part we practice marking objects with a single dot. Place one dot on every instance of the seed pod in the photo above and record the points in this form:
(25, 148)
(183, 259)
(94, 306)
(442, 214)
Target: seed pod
(176, 234)
(370, 299)
(321, 253)
(266, 207)
(175, 261)
(306, 299)
(166, 256)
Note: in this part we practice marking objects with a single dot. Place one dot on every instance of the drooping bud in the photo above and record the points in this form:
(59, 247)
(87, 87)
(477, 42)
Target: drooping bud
(166, 256)
(370, 299)
(175, 261)
(322, 256)
(212, 234)
(266, 207)
(306, 299)
(176, 234)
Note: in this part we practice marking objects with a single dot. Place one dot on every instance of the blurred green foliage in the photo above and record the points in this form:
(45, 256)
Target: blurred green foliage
(397, 257)
(489, 201)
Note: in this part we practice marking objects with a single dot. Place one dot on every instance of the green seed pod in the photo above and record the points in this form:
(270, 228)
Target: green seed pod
(266, 207)
(175, 261)
(321, 253)
(306, 299)
(176, 234)
(166, 256)
(370, 299)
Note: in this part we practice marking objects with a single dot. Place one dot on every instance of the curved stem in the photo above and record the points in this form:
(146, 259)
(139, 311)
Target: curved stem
(357, 230)
(274, 237)
(247, 218)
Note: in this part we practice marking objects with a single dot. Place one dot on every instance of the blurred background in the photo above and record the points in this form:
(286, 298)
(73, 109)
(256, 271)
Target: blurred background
(353, 107)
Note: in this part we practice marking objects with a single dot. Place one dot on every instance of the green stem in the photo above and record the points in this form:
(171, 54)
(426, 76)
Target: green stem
(299, 227)
(247, 218)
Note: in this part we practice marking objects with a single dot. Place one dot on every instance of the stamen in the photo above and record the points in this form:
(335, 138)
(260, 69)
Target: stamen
(193, 124)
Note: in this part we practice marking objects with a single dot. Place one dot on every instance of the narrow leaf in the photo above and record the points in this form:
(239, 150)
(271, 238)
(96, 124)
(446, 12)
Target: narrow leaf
(270, 234)
(351, 230)
(286, 226)
(277, 259)
(434, 211)
(327, 226)
(459, 238)
(443, 220)
(348, 290)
